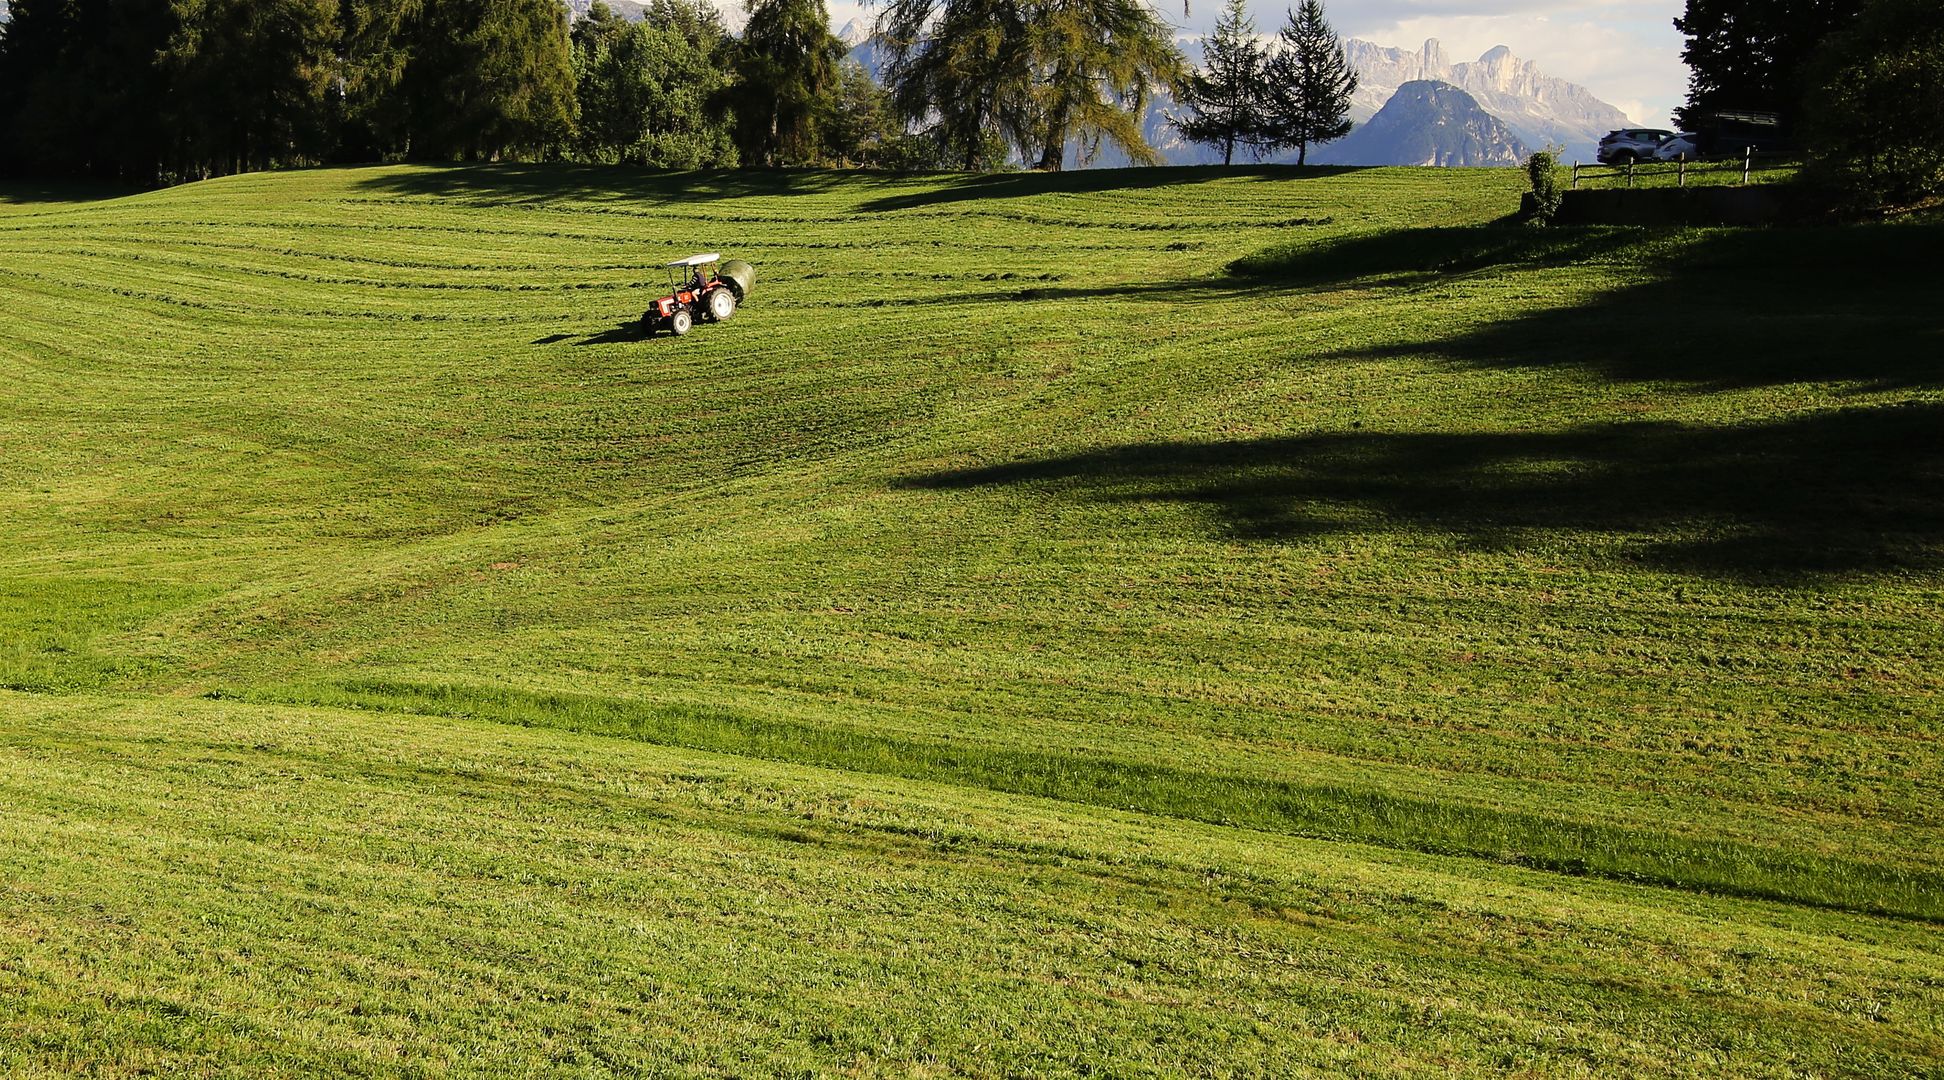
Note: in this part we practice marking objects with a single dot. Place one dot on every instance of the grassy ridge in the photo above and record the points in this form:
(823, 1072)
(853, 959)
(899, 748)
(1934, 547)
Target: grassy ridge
(1548, 842)
(262, 890)
(1299, 500)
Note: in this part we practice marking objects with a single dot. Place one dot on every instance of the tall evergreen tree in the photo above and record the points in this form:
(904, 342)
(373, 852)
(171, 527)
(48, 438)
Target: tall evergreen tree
(462, 78)
(251, 81)
(81, 91)
(1225, 95)
(786, 72)
(1097, 61)
(1308, 86)
(1754, 55)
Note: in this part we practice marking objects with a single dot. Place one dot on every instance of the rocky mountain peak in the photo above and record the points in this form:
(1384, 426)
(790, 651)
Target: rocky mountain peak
(1540, 109)
(1427, 122)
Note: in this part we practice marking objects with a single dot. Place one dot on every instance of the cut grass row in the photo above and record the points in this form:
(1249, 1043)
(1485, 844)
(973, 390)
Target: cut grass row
(1551, 842)
(1042, 485)
(244, 890)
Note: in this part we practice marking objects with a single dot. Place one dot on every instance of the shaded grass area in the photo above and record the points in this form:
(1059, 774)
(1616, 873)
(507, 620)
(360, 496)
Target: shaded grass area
(1557, 844)
(1855, 491)
(1716, 307)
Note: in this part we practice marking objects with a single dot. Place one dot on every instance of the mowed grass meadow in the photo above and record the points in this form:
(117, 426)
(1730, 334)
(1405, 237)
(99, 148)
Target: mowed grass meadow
(1253, 622)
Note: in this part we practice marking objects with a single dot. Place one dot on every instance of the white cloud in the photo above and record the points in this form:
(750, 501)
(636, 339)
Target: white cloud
(1626, 52)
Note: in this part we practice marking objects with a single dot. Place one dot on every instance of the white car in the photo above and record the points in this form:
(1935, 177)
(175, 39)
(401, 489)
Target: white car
(1686, 144)
(1631, 144)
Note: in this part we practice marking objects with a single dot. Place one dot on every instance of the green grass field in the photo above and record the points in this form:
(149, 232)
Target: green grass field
(1163, 622)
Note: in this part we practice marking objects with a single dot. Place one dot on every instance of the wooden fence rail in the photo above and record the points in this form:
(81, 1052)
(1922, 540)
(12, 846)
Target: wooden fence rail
(1746, 163)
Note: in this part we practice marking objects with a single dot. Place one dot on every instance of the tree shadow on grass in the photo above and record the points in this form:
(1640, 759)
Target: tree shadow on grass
(1828, 494)
(1403, 256)
(605, 183)
(1714, 308)
(65, 192)
(962, 187)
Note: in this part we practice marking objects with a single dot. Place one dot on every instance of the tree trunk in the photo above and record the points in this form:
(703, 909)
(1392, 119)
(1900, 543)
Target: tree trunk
(1302, 153)
(1054, 157)
(1228, 150)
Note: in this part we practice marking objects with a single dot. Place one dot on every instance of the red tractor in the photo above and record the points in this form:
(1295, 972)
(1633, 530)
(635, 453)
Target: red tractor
(699, 289)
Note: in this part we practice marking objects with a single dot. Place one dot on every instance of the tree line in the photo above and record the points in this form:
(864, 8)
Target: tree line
(156, 91)
(1859, 84)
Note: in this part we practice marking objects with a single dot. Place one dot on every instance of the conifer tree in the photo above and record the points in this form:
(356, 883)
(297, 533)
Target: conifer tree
(1754, 55)
(963, 70)
(1308, 85)
(251, 80)
(462, 78)
(786, 73)
(1096, 63)
(1225, 94)
(1035, 74)
(81, 93)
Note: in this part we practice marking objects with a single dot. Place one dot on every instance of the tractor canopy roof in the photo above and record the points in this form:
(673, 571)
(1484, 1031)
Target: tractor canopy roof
(696, 260)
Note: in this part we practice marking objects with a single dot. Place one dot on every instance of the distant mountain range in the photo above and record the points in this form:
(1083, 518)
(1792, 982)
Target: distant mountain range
(1426, 122)
(1540, 109)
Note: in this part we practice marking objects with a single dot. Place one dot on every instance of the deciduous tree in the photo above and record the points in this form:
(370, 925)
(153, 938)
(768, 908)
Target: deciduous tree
(1876, 113)
(651, 92)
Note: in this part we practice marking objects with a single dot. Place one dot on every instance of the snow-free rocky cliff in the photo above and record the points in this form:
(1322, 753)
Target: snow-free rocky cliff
(1540, 109)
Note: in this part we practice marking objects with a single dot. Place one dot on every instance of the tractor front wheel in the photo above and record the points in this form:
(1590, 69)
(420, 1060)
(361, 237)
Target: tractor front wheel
(722, 304)
(681, 323)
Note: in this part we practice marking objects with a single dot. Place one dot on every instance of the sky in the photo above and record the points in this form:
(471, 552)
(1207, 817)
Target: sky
(1625, 51)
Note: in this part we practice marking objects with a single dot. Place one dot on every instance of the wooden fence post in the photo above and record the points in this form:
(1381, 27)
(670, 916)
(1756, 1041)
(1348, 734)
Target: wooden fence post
(1630, 166)
(1683, 169)
(1575, 176)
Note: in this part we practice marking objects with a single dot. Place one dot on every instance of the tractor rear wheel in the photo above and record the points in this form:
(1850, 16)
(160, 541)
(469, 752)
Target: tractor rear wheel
(722, 304)
(681, 323)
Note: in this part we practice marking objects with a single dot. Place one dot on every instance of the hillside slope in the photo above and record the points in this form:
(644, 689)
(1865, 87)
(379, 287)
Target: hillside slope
(1020, 642)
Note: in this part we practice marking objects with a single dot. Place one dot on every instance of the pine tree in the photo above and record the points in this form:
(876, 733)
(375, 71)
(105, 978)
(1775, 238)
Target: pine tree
(251, 81)
(1226, 93)
(1308, 85)
(81, 92)
(786, 73)
(462, 78)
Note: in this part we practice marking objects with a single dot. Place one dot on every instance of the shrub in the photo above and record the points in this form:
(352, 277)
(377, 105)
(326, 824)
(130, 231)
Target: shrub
(1543, 170)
